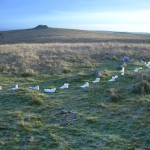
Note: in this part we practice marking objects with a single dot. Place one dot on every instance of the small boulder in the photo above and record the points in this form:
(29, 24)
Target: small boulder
(96, 74)
(125, 58)
(120, 65)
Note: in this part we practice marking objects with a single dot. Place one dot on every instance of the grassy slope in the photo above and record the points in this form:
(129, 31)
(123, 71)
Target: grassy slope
(73, 118)
(56, 35)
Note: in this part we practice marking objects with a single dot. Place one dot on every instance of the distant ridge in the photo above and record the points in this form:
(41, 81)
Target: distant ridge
(45, 34)
(41, 27)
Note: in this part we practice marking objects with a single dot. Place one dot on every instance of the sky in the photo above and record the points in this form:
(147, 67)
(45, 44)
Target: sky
(107, 15)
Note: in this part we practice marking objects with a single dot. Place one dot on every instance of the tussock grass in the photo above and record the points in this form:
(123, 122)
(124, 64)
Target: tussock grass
(66, 71)
(114, 95)
(28, 96)
(34, 99)
(143, 87)
(52, 58)
(102, 105)
(92, 120)
(141, 82)
(115, 58)
(24, 125)
(106, 74)
(28, 73)
(143, 76)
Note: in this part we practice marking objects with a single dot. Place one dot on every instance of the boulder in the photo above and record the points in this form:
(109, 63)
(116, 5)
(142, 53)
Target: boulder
(96, 74)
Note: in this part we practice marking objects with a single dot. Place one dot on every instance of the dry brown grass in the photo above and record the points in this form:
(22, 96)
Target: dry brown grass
(142, 87)
(64, 49)
(57, 57)
(114, 95)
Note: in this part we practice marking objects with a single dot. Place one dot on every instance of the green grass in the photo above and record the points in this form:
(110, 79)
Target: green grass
(73, 118)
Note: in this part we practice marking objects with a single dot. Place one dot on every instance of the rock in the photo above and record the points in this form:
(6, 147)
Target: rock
(32, 139)
(120, 65)
(96, 74)
(125, 58)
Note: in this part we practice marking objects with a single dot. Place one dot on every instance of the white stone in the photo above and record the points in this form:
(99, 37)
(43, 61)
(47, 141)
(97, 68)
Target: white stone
(36, 88)
(85, 85)
(50, 90)
(112, 80)
(65, 86)
(15, 88)
(96, 80)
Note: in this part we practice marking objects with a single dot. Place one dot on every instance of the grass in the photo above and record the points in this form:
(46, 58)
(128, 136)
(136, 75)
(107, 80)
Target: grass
(142, 88)
(74, 118)
(106, 115)
(31, 59)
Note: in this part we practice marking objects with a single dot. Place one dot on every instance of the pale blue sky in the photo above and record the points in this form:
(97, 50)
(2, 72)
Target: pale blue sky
(111, 15)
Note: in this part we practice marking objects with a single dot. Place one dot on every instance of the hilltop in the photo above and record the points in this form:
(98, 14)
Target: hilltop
(41, 27)
(45, 34)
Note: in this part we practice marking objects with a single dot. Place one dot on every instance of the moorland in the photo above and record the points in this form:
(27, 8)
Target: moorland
(106, 115)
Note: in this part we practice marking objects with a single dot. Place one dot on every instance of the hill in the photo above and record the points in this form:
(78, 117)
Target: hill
(44, 34)
(106, 115)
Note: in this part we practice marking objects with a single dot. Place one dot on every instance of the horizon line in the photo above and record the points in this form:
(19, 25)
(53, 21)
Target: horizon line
(100, 30)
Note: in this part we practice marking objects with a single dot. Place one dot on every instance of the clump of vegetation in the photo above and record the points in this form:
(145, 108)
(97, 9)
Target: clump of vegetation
(34, 99)
(92, 119)
(102, 105)
(113, 95)
(135, 62)
(28, 73)
(24, 125)
(143, 87)
(115, 58)
(66, 71)
(7, 68)
(105, 74)
(143, 76)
